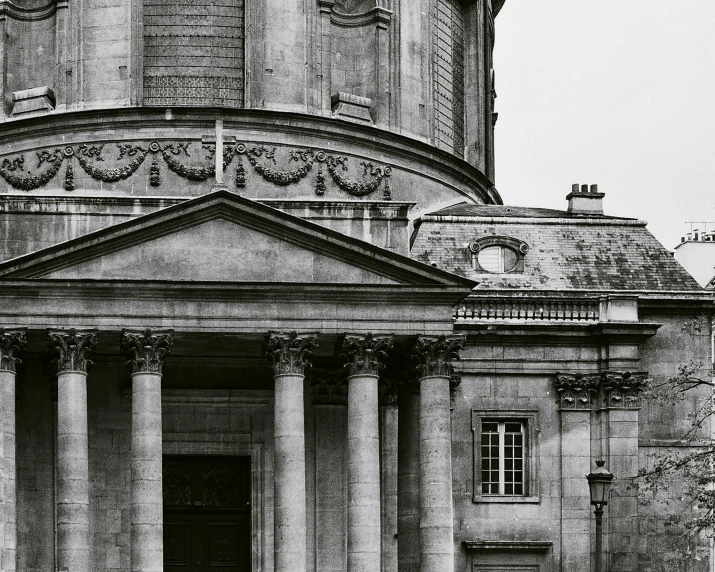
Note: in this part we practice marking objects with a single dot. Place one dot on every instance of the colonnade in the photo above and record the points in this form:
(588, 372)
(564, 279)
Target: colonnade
(425, 536)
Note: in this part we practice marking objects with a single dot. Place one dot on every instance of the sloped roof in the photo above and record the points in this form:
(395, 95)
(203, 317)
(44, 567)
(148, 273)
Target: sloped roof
(566, 252)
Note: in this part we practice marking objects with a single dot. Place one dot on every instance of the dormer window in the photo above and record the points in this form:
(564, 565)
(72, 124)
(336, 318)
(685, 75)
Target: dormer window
(498, 254)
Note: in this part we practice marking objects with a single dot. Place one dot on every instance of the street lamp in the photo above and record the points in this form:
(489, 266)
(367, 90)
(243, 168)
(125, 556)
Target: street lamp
(599, 483)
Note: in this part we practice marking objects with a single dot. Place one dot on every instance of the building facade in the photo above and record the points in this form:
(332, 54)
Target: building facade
(264, 310)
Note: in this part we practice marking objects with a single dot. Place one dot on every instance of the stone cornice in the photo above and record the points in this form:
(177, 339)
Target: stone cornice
(146, 349)
(365, 353)
(433, 354)
(12, 345)
(289, 353)
(73, 348)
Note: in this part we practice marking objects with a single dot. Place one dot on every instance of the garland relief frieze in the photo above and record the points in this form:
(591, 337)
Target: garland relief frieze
(110, 163)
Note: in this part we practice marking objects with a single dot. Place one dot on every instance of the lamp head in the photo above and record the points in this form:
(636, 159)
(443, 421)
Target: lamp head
(599, 484)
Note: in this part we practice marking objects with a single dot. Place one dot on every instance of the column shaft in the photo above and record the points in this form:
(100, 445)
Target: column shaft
(146, 501)
(289, 434)
(8, 495)
(436, 512)
(72, 473)
(408, 483)
(363, 474)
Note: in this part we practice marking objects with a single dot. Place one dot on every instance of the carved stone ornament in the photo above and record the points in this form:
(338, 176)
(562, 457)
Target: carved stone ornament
(73, 348)
(12, 344)
(365, 353)
(146, 350)
(329, 386)
(127, 159)
(433, 354)
(576, 391)
(387, 390)
(289, 353)
(623, 389)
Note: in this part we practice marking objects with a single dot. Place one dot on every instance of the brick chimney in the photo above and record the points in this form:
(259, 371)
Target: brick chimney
(585, 201)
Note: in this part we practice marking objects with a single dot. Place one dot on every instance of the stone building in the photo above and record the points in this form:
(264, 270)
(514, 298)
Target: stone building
(193, 187)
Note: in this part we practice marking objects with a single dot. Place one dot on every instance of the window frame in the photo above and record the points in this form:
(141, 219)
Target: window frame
(530, 427)
(518, 247)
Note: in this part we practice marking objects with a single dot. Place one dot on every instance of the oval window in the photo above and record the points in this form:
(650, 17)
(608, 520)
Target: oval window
(497, 259)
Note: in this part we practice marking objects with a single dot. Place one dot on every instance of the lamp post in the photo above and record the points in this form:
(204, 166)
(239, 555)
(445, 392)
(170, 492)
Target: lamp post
(599, 483)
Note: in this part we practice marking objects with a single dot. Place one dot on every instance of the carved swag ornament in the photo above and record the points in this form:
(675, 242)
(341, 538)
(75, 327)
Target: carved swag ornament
(146, 350)
(131, 156)
(289, 354)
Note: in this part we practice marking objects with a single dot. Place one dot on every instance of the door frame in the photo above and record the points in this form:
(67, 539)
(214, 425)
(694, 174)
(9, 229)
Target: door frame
(247, 439)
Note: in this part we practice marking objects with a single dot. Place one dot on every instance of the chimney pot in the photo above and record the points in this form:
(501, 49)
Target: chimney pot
(583, 202)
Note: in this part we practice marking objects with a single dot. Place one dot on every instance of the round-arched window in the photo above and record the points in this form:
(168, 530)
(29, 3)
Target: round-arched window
(498, 259)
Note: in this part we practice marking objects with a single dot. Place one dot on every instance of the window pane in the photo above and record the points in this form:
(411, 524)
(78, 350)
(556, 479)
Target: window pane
(511, 427)
(490, 427)
(509, 259)
(490, 259)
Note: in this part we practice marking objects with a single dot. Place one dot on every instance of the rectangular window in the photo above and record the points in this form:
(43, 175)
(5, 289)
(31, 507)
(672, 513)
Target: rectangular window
(505, 456)
(502, 458)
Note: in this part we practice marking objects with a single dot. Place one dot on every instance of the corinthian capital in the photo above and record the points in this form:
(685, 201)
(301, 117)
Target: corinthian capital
(289, 353)
(12, 344)
(623, 389)
(146, 350)
(433, 354)
(73, 348)
(576, 391)
(365, 353)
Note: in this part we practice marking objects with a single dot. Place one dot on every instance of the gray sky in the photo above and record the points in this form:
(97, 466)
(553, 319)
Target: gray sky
(615, 92)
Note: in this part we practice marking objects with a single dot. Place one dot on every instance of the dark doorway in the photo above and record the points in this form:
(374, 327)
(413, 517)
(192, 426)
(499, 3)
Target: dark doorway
(207, 514)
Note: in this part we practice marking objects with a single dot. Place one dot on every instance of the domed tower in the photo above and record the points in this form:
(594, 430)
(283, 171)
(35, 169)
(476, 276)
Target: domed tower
(325, 100)
(210, 183)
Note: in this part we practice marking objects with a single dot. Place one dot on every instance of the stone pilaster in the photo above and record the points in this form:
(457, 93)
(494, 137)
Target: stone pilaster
(12, 344)
(575, 394)
(364, 354)
(289, 354)
(436, 512)
(146, 351)
(73, 538)
(620, 399)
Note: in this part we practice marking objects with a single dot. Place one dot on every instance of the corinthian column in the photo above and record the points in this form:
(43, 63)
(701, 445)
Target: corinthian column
(436, 512)
(364, 354)
(146, 351)
(11, 345)
(289, 355)
(73, 539)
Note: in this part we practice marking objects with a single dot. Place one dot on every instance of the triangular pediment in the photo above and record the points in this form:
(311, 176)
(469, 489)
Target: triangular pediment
(222, 237)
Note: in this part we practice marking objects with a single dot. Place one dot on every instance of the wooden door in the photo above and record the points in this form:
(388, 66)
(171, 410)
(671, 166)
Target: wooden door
(207, 514)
